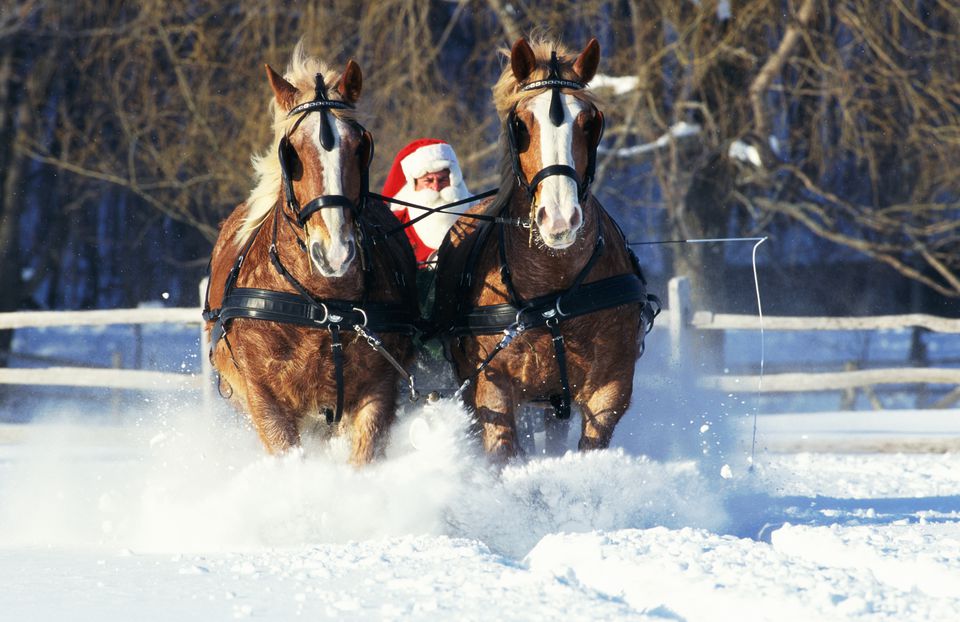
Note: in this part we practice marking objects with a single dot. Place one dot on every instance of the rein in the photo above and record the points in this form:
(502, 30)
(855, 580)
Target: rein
(443, 209)
(555, 83)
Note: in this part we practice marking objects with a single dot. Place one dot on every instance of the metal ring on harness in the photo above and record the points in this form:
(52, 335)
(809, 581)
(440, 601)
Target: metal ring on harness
(557, 307)
(517, 321)
(326, 312)
(364, 314)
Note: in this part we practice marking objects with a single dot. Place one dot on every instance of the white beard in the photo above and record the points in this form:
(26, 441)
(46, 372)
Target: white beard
(433, 228)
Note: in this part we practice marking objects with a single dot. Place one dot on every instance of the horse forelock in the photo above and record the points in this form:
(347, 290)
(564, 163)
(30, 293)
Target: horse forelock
(507, 93)
(302, 73)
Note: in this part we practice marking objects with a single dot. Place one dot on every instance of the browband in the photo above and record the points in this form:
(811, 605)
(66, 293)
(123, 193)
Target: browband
(319, 104)
(553, 83)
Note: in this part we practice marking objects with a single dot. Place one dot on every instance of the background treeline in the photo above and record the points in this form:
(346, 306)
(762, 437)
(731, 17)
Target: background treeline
(126, 130)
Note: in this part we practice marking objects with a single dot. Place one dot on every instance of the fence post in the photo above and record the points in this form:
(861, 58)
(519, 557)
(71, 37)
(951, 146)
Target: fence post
(680, 308)
(206, 369)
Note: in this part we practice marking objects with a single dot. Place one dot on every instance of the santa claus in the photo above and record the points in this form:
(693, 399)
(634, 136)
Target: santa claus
(426, 173)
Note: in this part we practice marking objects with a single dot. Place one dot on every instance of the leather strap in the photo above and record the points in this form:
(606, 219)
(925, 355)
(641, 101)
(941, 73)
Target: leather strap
(588, 298)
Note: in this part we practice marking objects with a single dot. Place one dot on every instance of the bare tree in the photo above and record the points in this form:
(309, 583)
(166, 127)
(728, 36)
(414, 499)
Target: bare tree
(730, 117)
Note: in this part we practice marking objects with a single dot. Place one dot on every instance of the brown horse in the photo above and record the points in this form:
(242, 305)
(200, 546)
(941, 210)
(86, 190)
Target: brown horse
(566, 290)
(297, 292)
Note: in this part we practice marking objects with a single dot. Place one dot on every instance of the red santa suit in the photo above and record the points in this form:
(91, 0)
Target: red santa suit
(422, 156)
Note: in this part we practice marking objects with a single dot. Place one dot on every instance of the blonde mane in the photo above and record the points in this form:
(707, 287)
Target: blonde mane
(301, 73)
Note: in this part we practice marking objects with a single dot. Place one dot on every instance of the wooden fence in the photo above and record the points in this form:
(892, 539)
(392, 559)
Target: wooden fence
(684, 323)
(679, 318)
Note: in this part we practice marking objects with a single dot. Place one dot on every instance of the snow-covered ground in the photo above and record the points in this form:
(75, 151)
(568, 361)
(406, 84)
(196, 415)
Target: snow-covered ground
(177, 515)
(154, 507)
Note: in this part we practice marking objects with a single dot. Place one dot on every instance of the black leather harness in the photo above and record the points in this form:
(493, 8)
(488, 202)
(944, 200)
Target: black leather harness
(550, 310)
(366, 318)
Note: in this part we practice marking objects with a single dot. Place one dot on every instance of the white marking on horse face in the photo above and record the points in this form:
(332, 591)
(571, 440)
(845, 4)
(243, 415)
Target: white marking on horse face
(332, 257)
(558, 213)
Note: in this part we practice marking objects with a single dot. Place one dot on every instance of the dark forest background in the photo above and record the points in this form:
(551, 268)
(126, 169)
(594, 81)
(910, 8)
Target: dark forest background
(126, 130)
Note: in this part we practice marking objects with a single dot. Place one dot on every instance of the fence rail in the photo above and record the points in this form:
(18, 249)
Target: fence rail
(146, 315)
(678, 318)
(106, 378)
(683, 323)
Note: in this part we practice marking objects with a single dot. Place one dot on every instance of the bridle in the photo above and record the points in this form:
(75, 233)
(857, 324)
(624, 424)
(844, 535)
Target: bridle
(286, 153)
(514, 126)
(365, 317)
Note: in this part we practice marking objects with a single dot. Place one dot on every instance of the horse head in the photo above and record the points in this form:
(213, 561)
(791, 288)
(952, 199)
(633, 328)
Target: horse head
(324, 158)
(553, 129)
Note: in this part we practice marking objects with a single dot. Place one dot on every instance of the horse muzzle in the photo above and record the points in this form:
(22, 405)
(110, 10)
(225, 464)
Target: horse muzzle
(558, 227)
(332, 259)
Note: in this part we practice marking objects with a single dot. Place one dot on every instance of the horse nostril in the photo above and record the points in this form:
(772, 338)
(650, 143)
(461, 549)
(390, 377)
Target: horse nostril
(316, 253)
(576, 219)
(541, 216)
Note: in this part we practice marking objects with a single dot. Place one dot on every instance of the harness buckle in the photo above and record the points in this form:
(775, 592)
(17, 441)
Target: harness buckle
(334, 329)
(510, 332)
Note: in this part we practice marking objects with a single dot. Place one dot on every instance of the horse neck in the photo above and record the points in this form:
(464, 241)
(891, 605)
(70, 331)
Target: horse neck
(537, 269)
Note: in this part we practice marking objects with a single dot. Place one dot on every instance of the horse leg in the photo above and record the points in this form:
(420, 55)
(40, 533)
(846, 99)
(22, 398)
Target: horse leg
(494, 408)
(602, 412)
(373, 418)
(277, 432)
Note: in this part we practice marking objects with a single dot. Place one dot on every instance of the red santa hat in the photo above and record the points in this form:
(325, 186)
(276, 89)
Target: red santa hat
(422, 156)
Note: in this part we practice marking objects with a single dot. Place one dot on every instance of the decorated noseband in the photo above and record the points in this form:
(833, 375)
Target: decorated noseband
(554, 82)
(286, 153)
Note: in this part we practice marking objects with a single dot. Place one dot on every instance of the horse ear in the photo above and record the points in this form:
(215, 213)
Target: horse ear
(284, 92)
(522, 60)
(586, 64)
(351, 82)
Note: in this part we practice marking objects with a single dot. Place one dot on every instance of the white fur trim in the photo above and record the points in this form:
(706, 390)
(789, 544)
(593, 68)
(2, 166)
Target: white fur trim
(430, 159)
